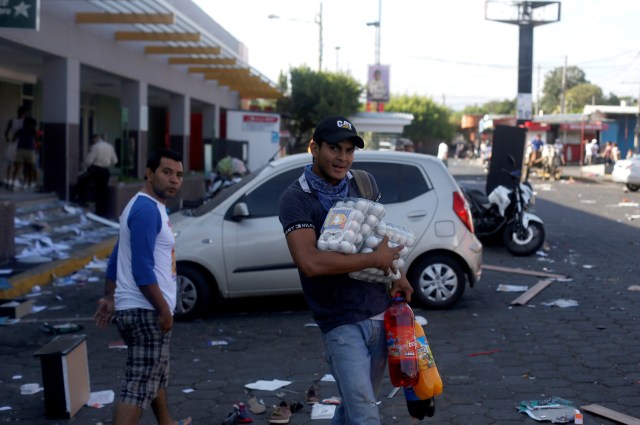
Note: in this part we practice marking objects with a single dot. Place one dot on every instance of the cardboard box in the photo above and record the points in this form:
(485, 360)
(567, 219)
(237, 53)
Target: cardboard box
(65, 375)
(15, 308)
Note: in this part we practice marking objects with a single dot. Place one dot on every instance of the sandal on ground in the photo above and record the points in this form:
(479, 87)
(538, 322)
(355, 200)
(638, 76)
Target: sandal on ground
(255, 406)
(281, 414)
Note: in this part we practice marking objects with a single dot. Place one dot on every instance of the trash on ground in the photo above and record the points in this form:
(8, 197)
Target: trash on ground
(634, 288)
(16, 377)
(118, 344)
(310, 325)
(97, 264)
(393, 392)
(28, 389)
(587, 201)
(587, 266)
(562, 303)
(98, 399)
(512, 288)
(328, 378)
(611, 414)
(215, 343)
(554, 409)
(38, 308)
(537, 288)
(322, 411)
(633, 217)
(267, 385)
(332, 400)
(4, 408)
(521, 271)
(421, 320)
(63, 328)
(188, 390)
(541, 254)
(6, 321)
(6, 271)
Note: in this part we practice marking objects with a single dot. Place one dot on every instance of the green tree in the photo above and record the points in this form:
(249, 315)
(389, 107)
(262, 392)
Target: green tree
(315, 95)
(552, 90)
(583, 94)
(430, 123)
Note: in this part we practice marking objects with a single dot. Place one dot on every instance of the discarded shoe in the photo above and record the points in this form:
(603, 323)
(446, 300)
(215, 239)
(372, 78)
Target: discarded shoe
(243, 416)
(255, 406)
(232, 418)
(281, 414)
(312, 395)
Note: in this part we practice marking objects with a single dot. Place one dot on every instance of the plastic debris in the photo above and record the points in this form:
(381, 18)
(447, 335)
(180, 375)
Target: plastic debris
(267, 385)
(562, 303)
(98, 399)
(28, 389)
(554, 409)
(512, 288)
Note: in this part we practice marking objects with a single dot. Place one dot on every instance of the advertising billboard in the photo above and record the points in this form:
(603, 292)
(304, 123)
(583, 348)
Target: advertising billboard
(378, 83)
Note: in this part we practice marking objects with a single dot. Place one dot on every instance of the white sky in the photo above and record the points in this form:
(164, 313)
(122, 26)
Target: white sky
(442, 49)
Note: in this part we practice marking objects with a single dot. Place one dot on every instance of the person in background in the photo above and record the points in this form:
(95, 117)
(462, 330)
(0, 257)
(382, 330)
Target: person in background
(348, 311)
(615, 152)
(588, 152)
(443, 152)
(25, 159)
(536, 150)
(140, 290)
(13, 126)
(100, 158)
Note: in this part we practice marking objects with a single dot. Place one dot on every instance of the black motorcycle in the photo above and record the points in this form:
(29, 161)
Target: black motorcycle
(503, 215)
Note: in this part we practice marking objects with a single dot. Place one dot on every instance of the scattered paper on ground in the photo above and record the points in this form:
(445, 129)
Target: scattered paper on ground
(322, 411)
(562, 303)
(328, 378)
(512, 288)
(553, 409)
(215, 343)
(267, 385)
(634, 288)
(98, 399)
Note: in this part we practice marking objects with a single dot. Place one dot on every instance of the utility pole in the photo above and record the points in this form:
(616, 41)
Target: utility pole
(320, 42)
(527, 15)
(564, 85)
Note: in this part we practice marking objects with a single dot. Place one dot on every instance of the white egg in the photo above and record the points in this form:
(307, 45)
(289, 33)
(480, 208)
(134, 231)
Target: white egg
(359, 238)
(371, 242)
(354, 225)
(349, 236)
(345, 247)
(381, 228)
(372, 220)
(394, 237)
(402, 239)
(366, 250)
(333, 245)
(398, 263)
(354, 249)
(322, 245)
(350, 204)
(378, 210)
(365, 229)
(339, 204)
(404, 252)
(409, 242)
(362, 205)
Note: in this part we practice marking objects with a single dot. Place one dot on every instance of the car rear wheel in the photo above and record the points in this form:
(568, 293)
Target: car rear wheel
(438, 281)
(194, 293)
(633, 187)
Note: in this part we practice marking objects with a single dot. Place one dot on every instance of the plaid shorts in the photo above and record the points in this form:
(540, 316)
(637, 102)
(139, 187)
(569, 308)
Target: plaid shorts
(147, 356)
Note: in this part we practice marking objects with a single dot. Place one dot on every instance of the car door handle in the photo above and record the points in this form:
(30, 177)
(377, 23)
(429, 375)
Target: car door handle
(207, 241)
(417, 214)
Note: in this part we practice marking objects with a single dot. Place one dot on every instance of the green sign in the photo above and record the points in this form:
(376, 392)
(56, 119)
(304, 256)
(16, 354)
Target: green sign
(20, 14)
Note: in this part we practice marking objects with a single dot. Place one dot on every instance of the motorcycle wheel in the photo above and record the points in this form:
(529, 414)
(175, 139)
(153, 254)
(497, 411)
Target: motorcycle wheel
(522, 242)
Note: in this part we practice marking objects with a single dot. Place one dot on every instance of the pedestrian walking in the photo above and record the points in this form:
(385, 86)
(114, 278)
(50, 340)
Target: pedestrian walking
(100, 158)
(349, 312)
(140, 289)
(13, 126)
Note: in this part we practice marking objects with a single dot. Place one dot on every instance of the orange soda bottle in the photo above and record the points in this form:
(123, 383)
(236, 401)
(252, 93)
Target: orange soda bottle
(429, 381)
(401, 343)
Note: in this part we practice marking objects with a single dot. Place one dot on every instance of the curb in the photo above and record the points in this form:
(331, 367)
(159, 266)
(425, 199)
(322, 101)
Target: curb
(44, 274)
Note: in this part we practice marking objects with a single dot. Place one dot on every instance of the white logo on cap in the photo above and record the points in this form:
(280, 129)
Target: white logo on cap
(344, 124)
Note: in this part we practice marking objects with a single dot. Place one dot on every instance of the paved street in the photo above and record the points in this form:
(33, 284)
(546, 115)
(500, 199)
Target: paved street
(491, 355)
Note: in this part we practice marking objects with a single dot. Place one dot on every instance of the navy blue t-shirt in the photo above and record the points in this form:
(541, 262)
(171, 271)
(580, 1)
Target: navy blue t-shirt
(334, 300)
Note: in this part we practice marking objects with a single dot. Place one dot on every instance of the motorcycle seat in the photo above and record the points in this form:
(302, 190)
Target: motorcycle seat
(478, 197)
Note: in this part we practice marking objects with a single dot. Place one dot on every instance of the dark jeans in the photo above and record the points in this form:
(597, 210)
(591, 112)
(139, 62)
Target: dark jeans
(95, 181)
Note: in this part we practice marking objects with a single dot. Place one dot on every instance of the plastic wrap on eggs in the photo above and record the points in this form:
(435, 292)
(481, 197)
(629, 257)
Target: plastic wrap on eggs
(348, 223)
(398, 235)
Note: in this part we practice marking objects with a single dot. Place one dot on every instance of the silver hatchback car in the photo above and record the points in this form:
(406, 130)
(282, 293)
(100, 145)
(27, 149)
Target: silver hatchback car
(233, 246)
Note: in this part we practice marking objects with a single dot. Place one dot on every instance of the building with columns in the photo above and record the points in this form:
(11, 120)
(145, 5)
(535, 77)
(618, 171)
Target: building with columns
(144, 73)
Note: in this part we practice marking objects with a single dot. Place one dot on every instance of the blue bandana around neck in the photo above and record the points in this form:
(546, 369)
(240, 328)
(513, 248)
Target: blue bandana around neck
(325, 191)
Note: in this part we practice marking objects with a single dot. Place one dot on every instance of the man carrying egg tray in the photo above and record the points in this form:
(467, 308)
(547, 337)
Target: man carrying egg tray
(349, 312)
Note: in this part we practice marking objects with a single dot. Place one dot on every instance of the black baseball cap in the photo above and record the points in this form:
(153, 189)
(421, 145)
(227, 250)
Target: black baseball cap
(335, 129)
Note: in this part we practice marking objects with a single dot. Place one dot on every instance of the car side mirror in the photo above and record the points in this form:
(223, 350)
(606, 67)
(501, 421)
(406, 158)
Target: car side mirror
(240, 211)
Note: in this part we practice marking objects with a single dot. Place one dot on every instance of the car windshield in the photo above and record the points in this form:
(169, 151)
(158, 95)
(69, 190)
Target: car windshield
(224, 194)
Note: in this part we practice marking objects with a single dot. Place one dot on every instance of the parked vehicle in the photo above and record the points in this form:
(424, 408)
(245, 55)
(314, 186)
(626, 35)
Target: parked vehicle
(503, 215)
(627, 171)
(233, 246)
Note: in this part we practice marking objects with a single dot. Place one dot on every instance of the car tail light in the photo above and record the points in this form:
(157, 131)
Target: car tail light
(461, 208)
